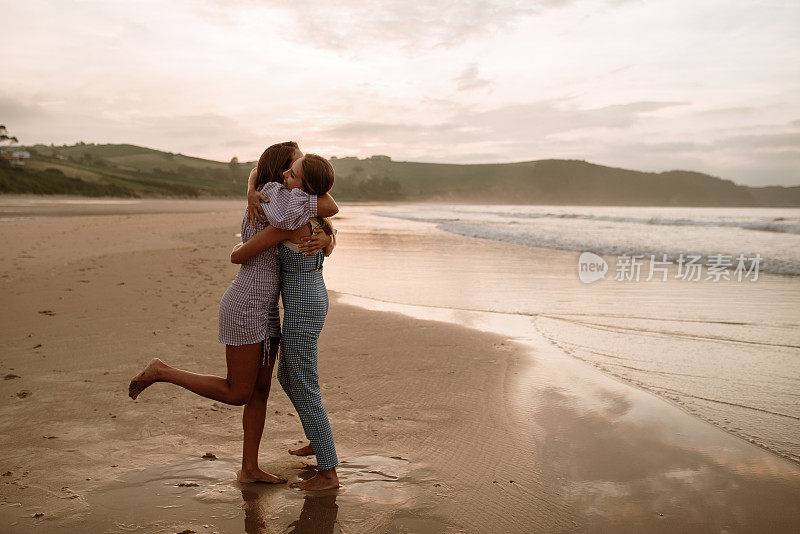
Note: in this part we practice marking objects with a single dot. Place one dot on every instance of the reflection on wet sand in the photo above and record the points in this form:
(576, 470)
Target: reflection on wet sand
(594, 454)
(318, 515)
(622, 473)
(376, 495)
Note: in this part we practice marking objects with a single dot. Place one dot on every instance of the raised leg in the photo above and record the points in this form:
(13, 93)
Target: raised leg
(236, 389)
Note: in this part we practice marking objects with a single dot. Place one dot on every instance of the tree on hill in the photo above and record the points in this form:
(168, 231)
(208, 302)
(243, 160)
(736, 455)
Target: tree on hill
(4, 137)
(234, 163)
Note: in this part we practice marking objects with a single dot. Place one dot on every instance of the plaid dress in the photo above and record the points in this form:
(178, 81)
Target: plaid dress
(305, 305)
(248, 311)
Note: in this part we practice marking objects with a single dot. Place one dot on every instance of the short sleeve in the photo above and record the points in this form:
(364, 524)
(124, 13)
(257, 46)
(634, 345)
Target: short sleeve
(288, 209)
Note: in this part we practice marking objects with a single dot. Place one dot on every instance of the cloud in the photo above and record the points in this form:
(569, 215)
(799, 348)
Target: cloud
(526, 122)
(12, 110)
(506, 133)
(354, 24)
(82, 119)
(769, 141)
(549, 117)
(469, 79)
(366, 128)
(740, 111)
(207, 125)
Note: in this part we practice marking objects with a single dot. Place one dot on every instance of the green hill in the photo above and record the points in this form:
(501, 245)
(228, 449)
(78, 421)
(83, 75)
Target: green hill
(122, 170)
(546, 182)
(128, 170)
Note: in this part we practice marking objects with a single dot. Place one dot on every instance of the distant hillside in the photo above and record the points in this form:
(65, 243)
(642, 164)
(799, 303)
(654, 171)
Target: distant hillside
(122, 170)
(128, 170)
(546, 182)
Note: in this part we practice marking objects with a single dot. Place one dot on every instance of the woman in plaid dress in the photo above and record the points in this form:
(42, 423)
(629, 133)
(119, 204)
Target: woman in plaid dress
(305, 303)
(248, 315)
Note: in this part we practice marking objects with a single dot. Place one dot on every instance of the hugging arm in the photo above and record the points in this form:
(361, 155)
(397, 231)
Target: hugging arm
(266, 238)
(285, 208)
(326, 206)
(322, 238)
(290, 209)
(255, 213)
(329, 248)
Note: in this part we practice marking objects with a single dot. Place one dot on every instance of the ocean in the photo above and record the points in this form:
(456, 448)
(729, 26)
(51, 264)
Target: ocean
(727, 351)
(771, 232)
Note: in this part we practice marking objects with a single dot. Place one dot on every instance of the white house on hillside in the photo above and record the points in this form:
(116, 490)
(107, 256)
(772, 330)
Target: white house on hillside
(15, 158)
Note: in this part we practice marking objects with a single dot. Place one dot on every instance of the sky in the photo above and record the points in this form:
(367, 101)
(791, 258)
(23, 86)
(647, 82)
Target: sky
(652, 85)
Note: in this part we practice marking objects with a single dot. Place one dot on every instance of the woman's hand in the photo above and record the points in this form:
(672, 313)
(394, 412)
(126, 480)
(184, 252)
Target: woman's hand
(318, 240)
(233, 252)
(254, 198)
(254, 210)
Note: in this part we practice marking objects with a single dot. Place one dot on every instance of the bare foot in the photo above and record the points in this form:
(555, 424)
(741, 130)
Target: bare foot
(246, 476)
(323, 480)
(145, 379)
(308, 450)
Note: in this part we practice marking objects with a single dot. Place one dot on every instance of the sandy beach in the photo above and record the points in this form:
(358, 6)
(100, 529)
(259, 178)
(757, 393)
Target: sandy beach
(447, 419)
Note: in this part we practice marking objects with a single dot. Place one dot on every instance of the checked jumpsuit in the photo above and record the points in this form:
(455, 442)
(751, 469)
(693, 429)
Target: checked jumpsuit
(305, 305)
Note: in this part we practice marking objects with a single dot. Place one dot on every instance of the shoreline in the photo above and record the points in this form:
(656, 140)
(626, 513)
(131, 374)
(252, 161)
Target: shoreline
(71, 205)
(432, 200)
(356, 202)
(443, 428)
(407, 310)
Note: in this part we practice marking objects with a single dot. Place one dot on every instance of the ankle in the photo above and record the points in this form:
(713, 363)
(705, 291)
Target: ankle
(327, 473)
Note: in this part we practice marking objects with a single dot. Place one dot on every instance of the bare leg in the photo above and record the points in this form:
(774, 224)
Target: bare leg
(308, 450)
(236, 389)
(255, 413)
(327, 479)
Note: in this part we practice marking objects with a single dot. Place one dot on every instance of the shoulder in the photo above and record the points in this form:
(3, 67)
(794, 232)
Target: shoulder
(272, 187)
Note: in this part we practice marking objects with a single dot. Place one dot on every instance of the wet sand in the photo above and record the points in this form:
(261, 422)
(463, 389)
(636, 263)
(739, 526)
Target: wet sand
(440, 427)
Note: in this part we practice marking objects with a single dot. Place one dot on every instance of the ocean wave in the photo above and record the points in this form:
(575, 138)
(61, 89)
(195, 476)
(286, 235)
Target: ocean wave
(777, 224)
(520, 237)
(519, 227)
(774, 224)
(579, 241)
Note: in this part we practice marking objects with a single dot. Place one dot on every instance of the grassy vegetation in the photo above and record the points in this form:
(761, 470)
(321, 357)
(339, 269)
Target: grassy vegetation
(129, 170)
(126, 170)
(55, 182)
